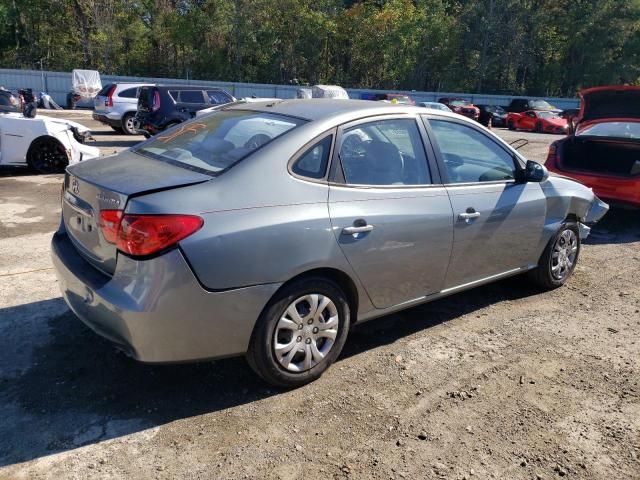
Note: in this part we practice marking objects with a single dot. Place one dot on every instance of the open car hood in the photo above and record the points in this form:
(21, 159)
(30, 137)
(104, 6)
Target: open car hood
(619, 102)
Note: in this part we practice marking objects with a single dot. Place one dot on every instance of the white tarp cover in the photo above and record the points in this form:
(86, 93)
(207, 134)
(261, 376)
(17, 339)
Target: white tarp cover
(303, 93)
(328, 91)
(86, 83)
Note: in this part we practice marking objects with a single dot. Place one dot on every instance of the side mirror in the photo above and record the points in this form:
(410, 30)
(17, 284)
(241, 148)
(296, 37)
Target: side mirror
(535, 172)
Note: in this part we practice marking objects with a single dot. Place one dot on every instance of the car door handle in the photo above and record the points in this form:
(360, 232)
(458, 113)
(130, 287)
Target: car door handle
(468, 216)
(358, 229)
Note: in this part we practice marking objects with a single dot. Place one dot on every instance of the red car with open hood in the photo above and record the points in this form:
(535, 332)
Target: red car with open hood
(603, 151)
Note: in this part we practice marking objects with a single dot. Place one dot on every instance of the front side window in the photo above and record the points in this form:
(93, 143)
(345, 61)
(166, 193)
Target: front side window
(470, 155)
(313, 163)
(217, 141)
(384, 152)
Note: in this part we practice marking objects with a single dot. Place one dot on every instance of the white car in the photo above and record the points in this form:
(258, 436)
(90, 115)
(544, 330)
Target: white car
(44, 143)
(116, 105)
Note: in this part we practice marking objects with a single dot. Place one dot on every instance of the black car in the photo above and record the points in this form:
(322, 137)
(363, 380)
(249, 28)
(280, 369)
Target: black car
(519, 105)
(9, 102)
(163, 106)
(495, 113)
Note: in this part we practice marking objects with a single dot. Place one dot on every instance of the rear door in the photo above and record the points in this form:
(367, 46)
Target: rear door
(498, 222)
(391, 216)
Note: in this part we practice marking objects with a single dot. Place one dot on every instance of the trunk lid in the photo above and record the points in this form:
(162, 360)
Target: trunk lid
(107, 184)
(619, 102)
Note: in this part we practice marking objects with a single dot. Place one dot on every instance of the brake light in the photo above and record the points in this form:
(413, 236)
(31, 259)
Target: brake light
(109, 224)
(552, 156)
(146, 234)
(140, 235)
(109, 101)
(155, 105)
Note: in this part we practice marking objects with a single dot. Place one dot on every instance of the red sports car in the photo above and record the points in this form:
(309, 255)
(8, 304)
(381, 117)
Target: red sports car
(603, 152)
(461, 106)
(538, 121)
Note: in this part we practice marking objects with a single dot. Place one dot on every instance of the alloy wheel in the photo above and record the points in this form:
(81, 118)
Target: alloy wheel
(48, 156)
(306, 332)
(563, 256)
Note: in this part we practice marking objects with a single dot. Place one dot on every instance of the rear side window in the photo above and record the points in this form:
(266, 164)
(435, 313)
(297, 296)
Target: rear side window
(129, 93)
(313, 163)
(174, 94)
(218, 97)
(191, 96)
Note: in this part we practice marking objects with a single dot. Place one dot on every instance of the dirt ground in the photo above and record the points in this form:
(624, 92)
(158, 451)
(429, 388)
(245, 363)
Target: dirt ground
(499, 382)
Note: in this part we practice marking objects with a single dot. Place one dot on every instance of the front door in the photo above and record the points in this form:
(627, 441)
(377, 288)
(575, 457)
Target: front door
(498, 222)
(391, 217)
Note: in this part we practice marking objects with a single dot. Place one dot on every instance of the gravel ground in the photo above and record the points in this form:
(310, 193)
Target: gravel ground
(499, 382)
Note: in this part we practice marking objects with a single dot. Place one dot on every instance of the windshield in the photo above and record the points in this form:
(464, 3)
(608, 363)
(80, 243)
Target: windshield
(547, 115)
(541, 105)
(458, 102)
(612, 129)
(217, 141)
(497, 109)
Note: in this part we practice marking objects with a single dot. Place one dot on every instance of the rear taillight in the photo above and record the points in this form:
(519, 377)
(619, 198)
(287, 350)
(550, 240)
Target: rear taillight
(109, 101)
(552, 156)
(146, 234)
(156, 101)
(109, 224)
(140, 235)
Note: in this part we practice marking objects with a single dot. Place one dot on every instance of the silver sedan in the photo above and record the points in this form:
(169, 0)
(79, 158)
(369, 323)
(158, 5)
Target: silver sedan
(269, 229)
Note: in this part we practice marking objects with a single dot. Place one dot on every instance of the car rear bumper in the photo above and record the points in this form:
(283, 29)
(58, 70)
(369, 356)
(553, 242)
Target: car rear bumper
(155, 310)
(616, 191)
(111, 121)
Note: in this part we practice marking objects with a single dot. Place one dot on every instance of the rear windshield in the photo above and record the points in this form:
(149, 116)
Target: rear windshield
(217, 141)
(105, 90)
(612, 129)
(541, 105)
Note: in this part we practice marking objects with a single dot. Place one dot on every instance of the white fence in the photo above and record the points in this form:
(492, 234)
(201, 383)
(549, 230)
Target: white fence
(57, 84)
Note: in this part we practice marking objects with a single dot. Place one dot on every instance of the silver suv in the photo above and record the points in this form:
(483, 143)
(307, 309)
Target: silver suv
(116, 105)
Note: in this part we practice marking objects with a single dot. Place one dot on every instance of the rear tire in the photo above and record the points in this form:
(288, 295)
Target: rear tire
(559, 259)
(127, 123)
(47, 155)
(296, 338)
(538, 127)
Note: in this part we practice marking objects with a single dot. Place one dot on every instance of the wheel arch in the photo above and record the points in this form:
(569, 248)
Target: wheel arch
(40, 139)
(342, 279)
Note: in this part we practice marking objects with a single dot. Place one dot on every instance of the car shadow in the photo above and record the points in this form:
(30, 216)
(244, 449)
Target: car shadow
(76, 389)
(619, 225)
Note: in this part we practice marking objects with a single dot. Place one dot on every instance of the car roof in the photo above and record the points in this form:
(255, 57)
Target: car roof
(188, 87)
(324, 108)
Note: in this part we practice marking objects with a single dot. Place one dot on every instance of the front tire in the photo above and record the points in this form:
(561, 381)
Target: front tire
(300, 333)
(47, 155)
(511, 125)
(538, 127)
(559, 259)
